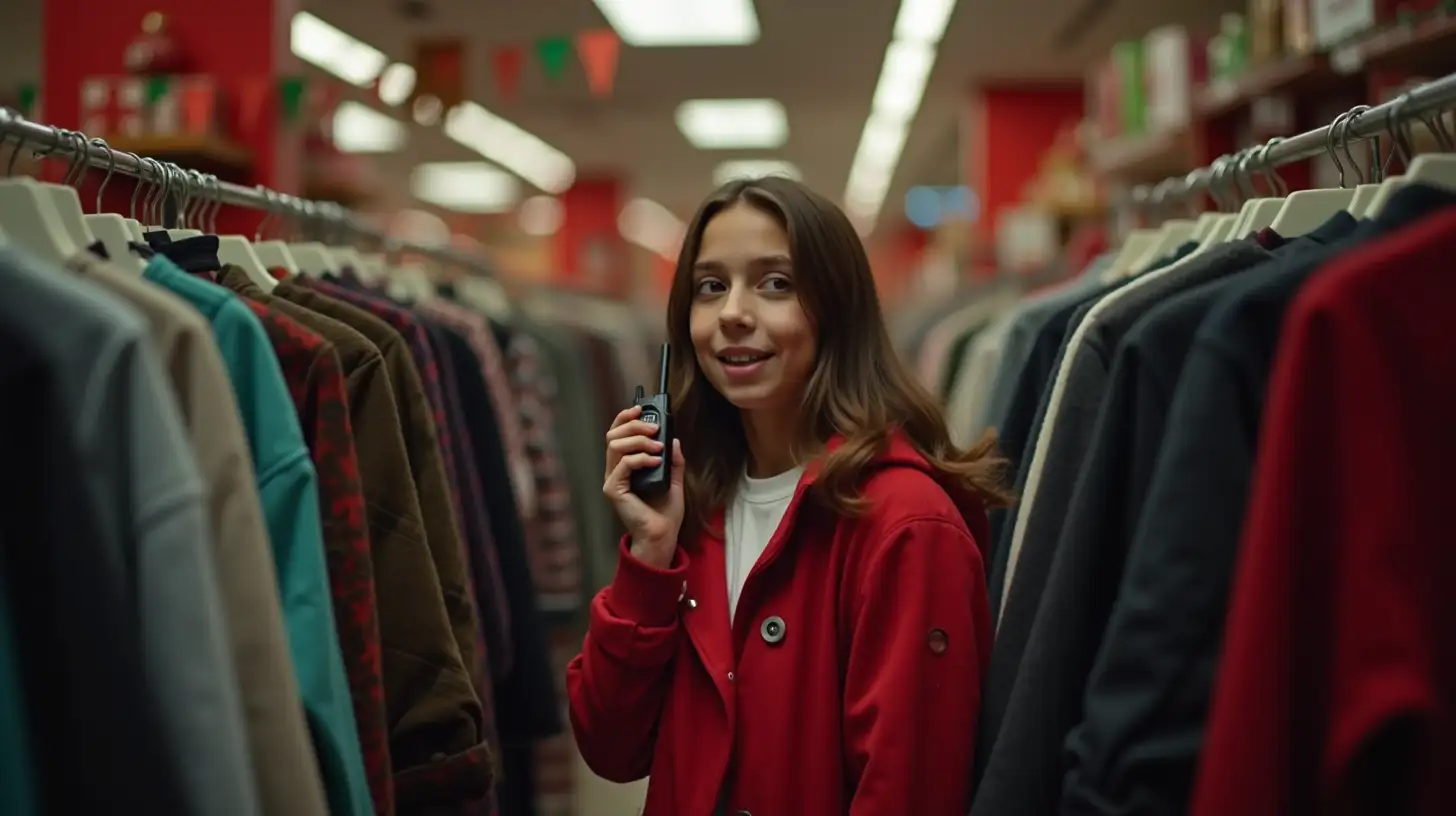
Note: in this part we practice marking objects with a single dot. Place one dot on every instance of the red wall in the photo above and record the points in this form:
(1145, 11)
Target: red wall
(236, 42)
(1011, 127)
(589, 250)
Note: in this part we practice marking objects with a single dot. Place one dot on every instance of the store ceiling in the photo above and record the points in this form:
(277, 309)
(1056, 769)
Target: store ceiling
(820, 58)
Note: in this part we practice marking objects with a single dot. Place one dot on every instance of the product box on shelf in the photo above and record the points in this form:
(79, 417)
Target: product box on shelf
(160, 106)
(1175, 62)
(1128, 58)
(1266, 30)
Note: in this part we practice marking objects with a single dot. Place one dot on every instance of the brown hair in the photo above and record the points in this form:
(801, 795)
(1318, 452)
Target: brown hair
(859, 389)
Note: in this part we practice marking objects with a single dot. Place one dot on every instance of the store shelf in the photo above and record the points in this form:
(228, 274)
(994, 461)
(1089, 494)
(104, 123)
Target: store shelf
(1149, 157)
(210, 154)
(1428, 45)
(1293, 75)
(346, 193)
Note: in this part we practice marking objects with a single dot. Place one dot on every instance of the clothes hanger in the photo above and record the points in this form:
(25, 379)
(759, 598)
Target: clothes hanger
(63, 196)
(313, 259)
(1259, 213)
(109, 228)
(372, 267)
(233, 249)
(1305, 210)
(272, 254)
(1434, 169)
(177, 191)
(28, 213)
(341, 256)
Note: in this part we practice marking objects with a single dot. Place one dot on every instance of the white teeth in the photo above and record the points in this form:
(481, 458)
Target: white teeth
(742, 360)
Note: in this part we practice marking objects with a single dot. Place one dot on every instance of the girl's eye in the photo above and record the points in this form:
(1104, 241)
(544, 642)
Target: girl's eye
(778, 283)
(709, 286)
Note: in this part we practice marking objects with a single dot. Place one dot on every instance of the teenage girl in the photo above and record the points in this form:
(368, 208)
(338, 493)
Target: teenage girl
(799, 626)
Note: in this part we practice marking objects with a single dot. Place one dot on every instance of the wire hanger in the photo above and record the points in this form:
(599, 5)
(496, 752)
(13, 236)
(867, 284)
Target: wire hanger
(1305, 210)
(1259, 213)
(27, 213)
(1369, 185)
(1138, 240)
(1173, 233)
(272, 254)
(342, 255)
(109, 228)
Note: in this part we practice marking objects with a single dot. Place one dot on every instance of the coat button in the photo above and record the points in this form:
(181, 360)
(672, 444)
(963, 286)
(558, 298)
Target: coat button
(772, 630)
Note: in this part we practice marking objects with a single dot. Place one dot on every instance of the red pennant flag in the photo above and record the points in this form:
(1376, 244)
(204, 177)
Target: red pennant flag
(507, 61)
(599, 50)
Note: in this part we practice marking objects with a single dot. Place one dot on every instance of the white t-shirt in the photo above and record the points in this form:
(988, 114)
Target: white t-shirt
(757, 508)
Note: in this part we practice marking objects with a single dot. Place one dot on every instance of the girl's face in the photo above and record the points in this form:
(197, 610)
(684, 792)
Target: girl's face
(751, 336)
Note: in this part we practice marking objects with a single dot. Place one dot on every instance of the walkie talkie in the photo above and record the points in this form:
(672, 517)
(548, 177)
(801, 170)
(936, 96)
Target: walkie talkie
(654, 481)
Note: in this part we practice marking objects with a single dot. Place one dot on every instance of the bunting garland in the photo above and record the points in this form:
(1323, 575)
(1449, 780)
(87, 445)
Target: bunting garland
(553, 52)
(507, 61)
(598, 51)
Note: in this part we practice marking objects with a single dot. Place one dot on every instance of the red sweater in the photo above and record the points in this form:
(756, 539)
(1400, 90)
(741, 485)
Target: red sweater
(1337, 691)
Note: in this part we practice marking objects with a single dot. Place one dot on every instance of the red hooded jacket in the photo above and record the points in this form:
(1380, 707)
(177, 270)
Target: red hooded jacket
(848, 683)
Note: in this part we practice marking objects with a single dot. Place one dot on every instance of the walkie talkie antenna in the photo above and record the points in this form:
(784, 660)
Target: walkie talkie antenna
(662, 368)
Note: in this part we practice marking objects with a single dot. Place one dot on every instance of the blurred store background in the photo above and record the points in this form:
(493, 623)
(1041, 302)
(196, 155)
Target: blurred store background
(567, 141)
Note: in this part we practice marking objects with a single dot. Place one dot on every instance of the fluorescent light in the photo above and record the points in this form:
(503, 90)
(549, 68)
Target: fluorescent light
(474, 187)
(396, 84)
(541, 215)
(511, 147)
(923, 21)
(919, 27)
(647, 23)
(351, 60)
(358, 128)
(902, 79)
(715, 124)
(753, 168)
(651, 226)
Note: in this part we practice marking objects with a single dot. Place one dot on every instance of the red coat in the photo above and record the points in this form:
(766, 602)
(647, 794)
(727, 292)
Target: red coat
(849, 682)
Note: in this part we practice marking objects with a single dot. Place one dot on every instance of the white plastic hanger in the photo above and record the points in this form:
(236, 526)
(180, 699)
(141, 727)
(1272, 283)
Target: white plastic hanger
(411, 283)
(109, 228)
(1174, 233)
(372, 267)
(231, 249)
(29, 214)
(1305, 210)
(1435, 169)
(272, 254)
(63, 195)
(1133, 247)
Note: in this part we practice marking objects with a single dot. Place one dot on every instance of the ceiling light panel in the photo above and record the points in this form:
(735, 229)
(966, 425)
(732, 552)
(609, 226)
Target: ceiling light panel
(919, 27)
(330, 49)
(733, 124)
(651, 226)
(511, 147)
(358, 128)
(472, 187)
(651, 23)
(753, 168)
(923, 21)
(396, 84)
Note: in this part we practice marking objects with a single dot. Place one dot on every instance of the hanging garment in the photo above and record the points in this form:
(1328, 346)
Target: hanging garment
(150, 529)
(74, 595)
(450, 762)
(18, 795)
(427, 704)
(556, 558)
(314, 374)
(281, 751)
(288, 489)
(1180, 562)
(1342, 604)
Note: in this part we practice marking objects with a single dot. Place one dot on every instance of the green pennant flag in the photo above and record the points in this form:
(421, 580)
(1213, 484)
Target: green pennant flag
(157, 88)
(290, 97)
(28, 94)
(553, 53)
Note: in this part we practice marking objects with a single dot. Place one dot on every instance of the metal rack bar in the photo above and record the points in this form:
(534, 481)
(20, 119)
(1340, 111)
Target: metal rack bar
(49, 141)
(1419, 103)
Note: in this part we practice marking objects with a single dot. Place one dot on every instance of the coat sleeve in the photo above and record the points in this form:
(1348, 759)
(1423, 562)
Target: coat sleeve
(920, 640)
(617, 684)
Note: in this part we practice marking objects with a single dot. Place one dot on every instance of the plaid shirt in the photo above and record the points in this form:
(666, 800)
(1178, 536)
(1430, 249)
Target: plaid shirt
(316, 384)
(556, 556)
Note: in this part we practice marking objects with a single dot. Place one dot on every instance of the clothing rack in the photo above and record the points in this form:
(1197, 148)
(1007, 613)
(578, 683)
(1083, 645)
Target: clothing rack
(1358, 124)
(52, 142)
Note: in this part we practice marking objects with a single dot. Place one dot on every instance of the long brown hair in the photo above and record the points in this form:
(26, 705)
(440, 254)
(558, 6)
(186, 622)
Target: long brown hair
(859, 389)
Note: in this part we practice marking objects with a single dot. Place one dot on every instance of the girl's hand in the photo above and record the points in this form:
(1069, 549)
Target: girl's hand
(652, 523)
